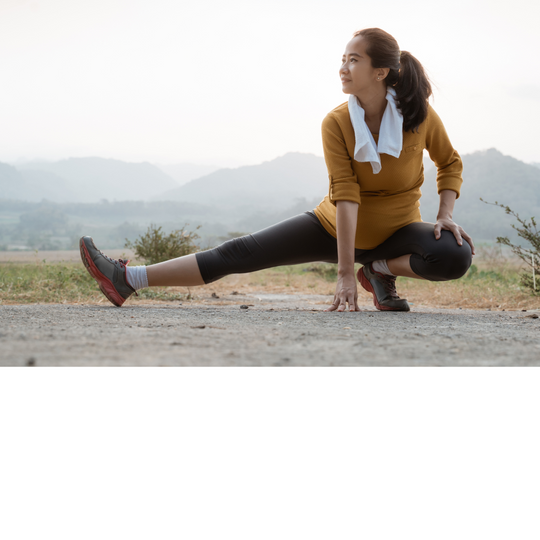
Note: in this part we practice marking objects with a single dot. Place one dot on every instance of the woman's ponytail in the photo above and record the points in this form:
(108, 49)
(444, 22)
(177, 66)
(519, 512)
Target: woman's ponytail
(412, 91)
(407, 75)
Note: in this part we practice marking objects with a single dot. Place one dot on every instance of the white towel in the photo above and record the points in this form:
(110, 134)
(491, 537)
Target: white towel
(390, 134)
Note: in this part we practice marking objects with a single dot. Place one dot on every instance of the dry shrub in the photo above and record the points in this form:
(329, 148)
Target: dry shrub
(527, 230)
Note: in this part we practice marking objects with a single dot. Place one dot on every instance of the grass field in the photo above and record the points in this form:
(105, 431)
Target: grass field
(492, 283)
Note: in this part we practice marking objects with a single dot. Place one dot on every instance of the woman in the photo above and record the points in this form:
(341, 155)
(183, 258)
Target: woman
(373, 148)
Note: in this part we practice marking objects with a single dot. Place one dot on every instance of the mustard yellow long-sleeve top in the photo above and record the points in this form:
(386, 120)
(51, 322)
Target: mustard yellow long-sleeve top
(388, 200)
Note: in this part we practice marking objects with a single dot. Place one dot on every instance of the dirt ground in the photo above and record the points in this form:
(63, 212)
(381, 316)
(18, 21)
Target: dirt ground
(274, 330)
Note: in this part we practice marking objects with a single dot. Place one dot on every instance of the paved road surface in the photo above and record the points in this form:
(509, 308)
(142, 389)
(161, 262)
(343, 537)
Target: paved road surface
(273, 331)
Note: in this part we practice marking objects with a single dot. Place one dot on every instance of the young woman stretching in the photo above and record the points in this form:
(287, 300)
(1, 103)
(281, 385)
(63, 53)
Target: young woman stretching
(373, 148)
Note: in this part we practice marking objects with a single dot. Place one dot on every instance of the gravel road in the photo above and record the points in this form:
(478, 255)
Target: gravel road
(275, 330)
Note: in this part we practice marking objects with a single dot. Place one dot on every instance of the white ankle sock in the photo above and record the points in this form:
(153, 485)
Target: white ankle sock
(381, 267)
(136, 276)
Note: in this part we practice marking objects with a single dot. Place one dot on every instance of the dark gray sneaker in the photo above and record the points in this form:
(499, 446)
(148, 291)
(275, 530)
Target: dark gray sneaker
(109, 273)
(383, 289)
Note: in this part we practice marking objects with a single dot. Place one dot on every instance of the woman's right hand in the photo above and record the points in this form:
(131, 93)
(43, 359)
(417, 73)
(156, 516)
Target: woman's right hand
(346, 293)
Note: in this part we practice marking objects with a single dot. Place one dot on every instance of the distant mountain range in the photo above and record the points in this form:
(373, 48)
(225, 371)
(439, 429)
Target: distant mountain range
(273, 185)
(494, 177)
(184, 172)
(82, 180)
(252, 197)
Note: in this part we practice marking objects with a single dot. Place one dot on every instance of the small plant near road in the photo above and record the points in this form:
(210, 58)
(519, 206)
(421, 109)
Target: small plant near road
(155, 246)
(531, 257)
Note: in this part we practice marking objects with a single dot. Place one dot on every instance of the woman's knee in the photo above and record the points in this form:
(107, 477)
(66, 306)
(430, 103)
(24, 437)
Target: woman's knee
(446, 260)
(460, 263)
(455, 261)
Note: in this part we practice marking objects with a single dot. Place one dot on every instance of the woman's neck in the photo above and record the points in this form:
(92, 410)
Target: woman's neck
(374, 105)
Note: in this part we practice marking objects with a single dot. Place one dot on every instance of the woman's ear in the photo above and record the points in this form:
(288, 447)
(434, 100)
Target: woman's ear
(383, 73)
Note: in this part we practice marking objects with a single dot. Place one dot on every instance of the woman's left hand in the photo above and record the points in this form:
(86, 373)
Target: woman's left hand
(449, 225)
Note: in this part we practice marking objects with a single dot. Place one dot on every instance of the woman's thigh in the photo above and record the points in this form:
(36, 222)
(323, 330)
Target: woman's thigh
(432, 259)
(296, 240)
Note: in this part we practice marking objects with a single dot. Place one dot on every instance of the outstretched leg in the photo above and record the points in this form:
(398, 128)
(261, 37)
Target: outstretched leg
(296, 240)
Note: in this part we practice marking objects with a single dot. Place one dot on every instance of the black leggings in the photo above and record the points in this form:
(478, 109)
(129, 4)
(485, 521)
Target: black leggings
(302, 239)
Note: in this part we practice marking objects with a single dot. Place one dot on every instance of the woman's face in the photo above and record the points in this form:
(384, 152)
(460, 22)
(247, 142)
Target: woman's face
(356, 73)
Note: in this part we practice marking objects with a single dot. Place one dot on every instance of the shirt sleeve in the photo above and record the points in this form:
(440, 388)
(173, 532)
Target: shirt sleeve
(442, 153)
(343, 182)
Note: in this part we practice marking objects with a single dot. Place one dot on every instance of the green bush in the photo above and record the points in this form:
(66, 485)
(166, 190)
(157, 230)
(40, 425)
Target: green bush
(155, 246)
(530, 256)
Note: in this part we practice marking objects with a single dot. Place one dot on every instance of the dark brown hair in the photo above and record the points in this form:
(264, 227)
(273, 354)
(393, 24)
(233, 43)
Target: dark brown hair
(406, 75)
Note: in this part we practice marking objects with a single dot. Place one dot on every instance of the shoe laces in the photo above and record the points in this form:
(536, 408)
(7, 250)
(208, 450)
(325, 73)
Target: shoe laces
(389, 283)
(122, 262)
(390, 286)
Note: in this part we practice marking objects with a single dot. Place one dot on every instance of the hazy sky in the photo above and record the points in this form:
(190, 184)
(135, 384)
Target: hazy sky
(240, 82)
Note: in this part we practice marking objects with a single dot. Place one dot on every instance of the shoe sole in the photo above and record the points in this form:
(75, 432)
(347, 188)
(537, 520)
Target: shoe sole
(364, 281)
(104, 283)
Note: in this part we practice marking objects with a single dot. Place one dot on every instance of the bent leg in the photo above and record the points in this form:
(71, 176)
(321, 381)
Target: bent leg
(435, 260)
(401, 266)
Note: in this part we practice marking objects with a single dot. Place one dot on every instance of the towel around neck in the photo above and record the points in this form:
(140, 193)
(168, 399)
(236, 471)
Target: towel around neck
(390, 134)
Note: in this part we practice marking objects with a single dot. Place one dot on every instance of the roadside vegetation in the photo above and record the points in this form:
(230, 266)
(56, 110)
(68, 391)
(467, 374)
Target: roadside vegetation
(156, 246)
(493, 282)
(59, 283)
(529, 254)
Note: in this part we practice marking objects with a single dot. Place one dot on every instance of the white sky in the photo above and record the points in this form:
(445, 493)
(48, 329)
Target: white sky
(243, 81)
